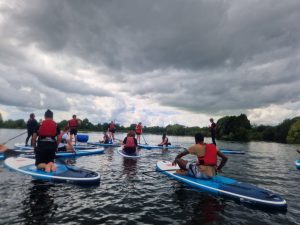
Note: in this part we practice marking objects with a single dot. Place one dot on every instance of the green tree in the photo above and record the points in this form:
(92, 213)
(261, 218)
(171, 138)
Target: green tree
(294, 133)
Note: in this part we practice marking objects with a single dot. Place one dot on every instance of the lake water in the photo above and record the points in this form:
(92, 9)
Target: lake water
(127, 196)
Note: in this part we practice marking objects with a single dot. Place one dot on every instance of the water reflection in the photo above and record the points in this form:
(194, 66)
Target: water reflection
(39, 207)
(130, 167)
(205, 208)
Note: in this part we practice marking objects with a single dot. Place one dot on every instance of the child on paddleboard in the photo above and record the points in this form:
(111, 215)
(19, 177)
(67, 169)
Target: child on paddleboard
(46, 143)
(165, 141)
(130, 143)
(206, 154)
(64, 141)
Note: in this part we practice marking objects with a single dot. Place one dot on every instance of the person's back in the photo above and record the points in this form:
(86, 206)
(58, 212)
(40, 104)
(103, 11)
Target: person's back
(130, 143)
(200, 151)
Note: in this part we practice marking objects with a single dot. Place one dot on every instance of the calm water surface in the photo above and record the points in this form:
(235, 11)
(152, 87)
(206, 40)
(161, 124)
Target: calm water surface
(127, 196)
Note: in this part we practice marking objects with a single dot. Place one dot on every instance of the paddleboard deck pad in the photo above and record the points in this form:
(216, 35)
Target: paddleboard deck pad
(124, 154)
(229, 188)
(64, 173)
(149, 147)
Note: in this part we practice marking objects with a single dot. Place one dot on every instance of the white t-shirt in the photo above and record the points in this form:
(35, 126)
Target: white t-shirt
(65, 138)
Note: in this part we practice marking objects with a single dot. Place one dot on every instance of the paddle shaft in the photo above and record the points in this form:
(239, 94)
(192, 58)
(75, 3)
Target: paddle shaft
(155, 171)
(13, 138)
(144, 139)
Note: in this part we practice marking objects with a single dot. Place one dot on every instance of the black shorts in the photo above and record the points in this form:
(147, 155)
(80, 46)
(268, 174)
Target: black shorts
(112, 131)
(62, 149)
(129, 150)
(45, 152)
(73, 131)
(138, 133)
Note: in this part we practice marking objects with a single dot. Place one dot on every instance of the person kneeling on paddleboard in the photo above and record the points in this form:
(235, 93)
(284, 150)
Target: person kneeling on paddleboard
(64, 141)
(130, 143)
(206, 166)
(106, 139)
(165, 140)
(46, 143)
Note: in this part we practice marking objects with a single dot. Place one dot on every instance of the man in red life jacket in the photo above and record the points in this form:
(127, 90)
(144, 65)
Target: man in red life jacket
(139, 131)
(46, 143)
(111, 129)
(73, 124)
(130, 143)
(206, 165)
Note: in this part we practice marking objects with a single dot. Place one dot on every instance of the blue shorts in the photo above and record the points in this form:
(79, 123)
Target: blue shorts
(193, 171)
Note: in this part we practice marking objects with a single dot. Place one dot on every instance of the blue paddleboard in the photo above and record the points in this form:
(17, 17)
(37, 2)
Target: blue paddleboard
(64, 173)
(30, 154)
(124, 154)
(297, 164)
(1, 156)
(229, 151)
(19, 146)
(230, 188)
(149, 147)
(115, 144)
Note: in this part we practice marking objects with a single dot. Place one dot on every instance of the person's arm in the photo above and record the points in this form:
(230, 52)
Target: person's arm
(124, 141)
(223, 161)
(180, 155)
(135, 142)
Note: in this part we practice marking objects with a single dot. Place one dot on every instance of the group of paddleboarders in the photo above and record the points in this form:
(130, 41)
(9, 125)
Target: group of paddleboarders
(48, 139)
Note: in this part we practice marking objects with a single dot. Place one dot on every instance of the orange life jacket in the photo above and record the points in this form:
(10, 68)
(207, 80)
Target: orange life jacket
(48, 128)
(130, 143)
(73, 123)
(210, 157)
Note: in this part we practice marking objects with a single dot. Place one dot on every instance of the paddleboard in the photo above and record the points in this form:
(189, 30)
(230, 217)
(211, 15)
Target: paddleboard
(149, 147)
(230, 188)
(297, 163)
(1, 156)
(64, 173)
(124, 154)
(116, 144)
(19, 146)
(229, 151)
(31, 154)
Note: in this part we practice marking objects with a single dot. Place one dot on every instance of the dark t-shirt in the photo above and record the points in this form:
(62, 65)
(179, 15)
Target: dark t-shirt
(32, 125)
(213, 128)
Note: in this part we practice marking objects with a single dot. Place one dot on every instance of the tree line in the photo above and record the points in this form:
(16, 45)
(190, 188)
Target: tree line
(231, 128)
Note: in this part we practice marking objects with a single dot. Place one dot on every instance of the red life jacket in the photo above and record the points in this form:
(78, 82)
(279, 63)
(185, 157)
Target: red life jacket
(210, 157)
(73, 123)
(138, 129)
(48, 128)
(111, 126)
(130, 142)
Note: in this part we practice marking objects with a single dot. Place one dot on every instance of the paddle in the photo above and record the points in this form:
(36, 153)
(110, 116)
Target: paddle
(144, 139)
(13, 138)
(156, 171)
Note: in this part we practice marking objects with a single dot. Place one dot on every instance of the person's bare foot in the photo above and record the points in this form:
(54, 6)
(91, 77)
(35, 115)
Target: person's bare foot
(182, 172)
(48, 168)
(52, 167)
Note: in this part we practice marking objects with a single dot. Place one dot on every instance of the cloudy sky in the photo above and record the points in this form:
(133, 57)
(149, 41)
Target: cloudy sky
(159, 62)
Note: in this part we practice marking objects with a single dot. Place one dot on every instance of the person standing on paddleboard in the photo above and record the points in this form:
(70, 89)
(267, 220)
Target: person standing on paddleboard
(32, 126)
(73, 124)
(112, 129)
(206, 165)
(130, 143)
(46, 143)
(139, 131)
(213, 130)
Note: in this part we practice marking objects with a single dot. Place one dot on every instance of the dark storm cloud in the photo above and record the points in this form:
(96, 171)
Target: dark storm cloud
(197, 55)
